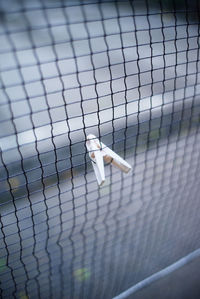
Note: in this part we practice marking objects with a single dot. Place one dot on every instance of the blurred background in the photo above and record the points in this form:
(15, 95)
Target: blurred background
(128, 72)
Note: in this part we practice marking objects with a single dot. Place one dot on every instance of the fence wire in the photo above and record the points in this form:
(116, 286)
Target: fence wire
(128, 72)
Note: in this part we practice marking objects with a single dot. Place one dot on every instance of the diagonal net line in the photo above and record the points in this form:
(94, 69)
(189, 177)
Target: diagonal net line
(159, 275)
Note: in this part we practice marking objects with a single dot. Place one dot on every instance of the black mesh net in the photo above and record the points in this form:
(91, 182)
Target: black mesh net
(128, 72)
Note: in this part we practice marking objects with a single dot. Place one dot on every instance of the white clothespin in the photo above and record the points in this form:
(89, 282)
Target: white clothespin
(99, 152)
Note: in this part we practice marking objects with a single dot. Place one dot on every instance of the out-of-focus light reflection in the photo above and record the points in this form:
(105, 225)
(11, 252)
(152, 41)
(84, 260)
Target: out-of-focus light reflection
(82, 274)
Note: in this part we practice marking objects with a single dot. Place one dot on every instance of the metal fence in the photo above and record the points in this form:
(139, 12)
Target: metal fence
(128, 72)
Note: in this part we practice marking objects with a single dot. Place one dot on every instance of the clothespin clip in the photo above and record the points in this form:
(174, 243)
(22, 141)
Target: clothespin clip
(99, 153)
